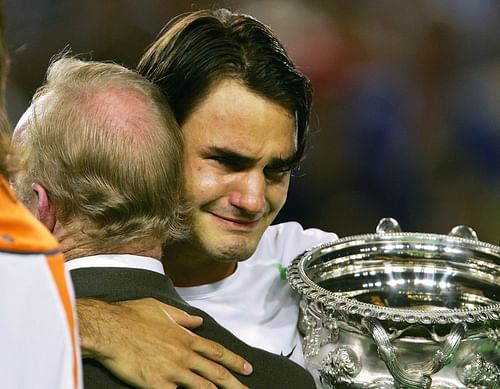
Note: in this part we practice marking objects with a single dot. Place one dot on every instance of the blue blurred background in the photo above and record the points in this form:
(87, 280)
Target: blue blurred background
(407, 97)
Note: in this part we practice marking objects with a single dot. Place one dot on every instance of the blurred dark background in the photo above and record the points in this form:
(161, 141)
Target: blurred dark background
(407, 97)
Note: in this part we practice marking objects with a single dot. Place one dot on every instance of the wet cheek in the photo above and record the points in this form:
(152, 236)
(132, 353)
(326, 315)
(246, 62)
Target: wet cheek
(204, 184)
(277, 197)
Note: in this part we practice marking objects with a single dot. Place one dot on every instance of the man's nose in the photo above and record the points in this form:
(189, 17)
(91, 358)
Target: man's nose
(249, 193)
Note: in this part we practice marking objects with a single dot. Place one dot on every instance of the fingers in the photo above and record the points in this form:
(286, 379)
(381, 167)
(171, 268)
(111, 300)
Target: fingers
(217, 374)
(207, 348)
(218, 353)
(180, 377)
(181, 317)
(207, 374)
(184, 368)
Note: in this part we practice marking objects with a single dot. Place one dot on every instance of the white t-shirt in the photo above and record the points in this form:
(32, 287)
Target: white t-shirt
(256, 303)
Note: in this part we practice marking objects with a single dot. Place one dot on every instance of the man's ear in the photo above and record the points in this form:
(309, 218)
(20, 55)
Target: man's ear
(45, 210)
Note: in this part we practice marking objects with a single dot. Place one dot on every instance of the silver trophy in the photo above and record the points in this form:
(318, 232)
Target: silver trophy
(401, 310)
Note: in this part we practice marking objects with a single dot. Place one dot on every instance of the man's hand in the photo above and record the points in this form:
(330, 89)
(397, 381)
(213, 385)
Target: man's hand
(147, 344)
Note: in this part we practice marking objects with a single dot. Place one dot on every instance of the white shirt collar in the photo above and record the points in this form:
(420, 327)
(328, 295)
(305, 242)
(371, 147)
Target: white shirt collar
(116, 260)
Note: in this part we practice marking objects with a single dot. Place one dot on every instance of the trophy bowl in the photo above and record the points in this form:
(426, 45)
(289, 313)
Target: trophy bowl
(401, 310)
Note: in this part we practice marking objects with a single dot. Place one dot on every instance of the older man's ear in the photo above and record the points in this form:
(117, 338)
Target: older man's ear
(42, 208)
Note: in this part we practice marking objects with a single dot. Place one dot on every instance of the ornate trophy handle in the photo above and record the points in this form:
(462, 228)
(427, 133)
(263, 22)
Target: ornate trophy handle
(413, 378)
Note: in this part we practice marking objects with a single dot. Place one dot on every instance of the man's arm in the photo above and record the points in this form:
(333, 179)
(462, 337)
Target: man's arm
(147, 344)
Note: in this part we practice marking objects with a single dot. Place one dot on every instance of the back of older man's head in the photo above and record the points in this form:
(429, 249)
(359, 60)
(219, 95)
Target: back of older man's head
(102, 142)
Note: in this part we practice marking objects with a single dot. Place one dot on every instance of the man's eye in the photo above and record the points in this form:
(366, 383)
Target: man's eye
(228, 163)
(277, 174)
(220, 160)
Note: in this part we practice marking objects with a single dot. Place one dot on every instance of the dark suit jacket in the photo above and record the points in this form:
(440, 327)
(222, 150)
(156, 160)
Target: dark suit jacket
(116, 284)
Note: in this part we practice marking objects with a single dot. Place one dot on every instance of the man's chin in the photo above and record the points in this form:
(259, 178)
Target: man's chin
(235, 252)
(221, 245)
(232, 259)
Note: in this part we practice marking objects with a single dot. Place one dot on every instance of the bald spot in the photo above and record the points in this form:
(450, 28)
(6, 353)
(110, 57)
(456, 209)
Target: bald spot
(124, 108)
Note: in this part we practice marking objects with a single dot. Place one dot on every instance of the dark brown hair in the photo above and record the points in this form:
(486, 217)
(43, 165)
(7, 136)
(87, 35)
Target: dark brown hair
(198, 49)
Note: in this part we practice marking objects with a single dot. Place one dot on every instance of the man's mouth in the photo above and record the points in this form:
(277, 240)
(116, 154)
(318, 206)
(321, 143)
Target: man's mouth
(240, 224)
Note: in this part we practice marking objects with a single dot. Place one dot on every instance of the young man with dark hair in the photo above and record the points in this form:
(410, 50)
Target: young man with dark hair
(243, 108)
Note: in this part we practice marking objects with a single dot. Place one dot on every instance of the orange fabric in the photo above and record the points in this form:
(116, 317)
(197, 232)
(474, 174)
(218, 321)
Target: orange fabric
(19, 230)
(56, 265)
